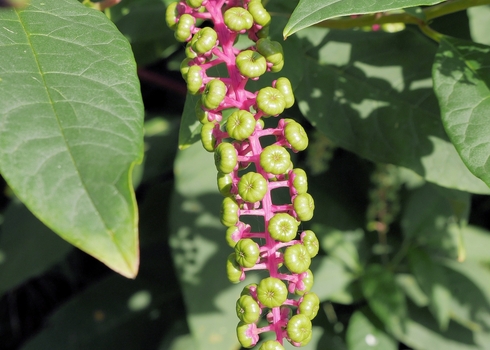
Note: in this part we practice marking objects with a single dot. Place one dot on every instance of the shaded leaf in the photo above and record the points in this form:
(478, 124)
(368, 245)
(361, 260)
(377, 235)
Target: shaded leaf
(27, 247)
(334, 243)
(310, 12)
(412, 290)
(371, 94)
(71, 125)
(364, 331)
(462, 84)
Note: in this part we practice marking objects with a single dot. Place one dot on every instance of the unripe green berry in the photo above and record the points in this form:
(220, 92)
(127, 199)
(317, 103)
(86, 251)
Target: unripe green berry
(310, 241)
(300, 182)
(275, 159)
(225, 157)
(247, 252)
(201, 114)
(252, 187)
(247, 289)
(247, 309)
(309, 306)
(184, 67)
(273, 53)
(204, 40)
(238, 19)
(207, 136)
(304, 205)
(245, 334)
(194, 3)
(284, 85)
(240, 125)
(183, 30)
(171, 15)
(296, 135)
(229, 212)
(308, 283)
(251, 64)
(297, 259)
(272, 292)
(225, 183)
(213, 94)
(229, 236)
(194, 79)
(259, 13)
(271, 345)
(271, 101)
(283, 227)
(233, 270)
(299, 328)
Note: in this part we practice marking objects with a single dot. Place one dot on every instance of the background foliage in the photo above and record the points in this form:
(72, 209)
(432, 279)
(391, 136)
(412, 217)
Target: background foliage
(398, 164)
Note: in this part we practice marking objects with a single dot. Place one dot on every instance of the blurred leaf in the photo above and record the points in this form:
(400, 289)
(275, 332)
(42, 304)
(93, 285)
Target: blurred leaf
(411, 288)
(364, 331)
(71, 125)
(333, 281)
(433, 216)
(479, 23)
(27, 247)
(384, 297)
(334, 243)
(115, 313)
(142, 23)
(462, 85)
(432, 280)
(311, 12)
(371, 93)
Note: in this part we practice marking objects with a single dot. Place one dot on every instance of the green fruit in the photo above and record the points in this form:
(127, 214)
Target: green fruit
(275, 159)
(213, 94)
(309, 240)
(271, 101)
(251, 64)
(247, 335)
(299, 328)
(189, 51)
(271, 345)
(194, 3)
(184, 67)
(247, 290)
(183, 31)
(207, 136)
(284, 85)
(283, 227)
(297, 259)
(252, 187)
(307, 283)
(273, 53)
(304, 205)
(204, 40)
(233, 270)
(240, 125)
(272, 292)
(263, 32)
(171, 15)
(247, 309)
(230, 232)
(238, 19)
(225, 183)
(229, 212)
(259, 13)
(225, 157)
(194, 79)
(309, 306)
(247, 253)
(300, 181)
(201, 114)
(296, 135)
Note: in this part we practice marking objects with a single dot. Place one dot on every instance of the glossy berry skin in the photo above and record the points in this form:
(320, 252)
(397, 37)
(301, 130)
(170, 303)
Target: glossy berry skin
(259, 13)
(229, 212)
(204, 40)
(247, 290)
(246, 335)
(271, 345)
(271, 101)
(171, 15)
(252, 187)
(240, 125)
(296, 136)
(300, 182)
(284, 85)
(309, 306)
(247, 252)
(194, 3)
(310, 241)
(207, 138)
(247, 309)
(225, 182)
(238, 19)
(304, 206)
(213, 94)
(194, 79)
(225, 158)
(272, 292)
(299, 328)
(272, 51)
(283, 227)
(251, 64)
(201, 114)
(229, 236)
(308, 283)
(183, 30)
(275, 160)
(297, 259)
(233, 270)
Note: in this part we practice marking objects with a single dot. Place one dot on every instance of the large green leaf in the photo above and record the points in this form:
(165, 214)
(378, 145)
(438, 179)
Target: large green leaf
(366, 332)
(71, 125)
(310, 12)
(371, 93)
(462, 84)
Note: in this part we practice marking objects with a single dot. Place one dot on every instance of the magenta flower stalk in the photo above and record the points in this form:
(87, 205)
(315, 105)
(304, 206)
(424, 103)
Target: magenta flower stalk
(284, 298)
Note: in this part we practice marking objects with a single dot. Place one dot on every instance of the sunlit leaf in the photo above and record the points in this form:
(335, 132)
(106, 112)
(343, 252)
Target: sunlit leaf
(365, 332)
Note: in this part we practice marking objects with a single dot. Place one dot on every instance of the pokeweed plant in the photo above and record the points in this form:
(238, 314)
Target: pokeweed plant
(236, 143)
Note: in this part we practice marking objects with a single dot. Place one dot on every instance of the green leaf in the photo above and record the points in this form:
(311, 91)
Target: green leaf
(27, 247)
(434, 217)
(371, 93)
(479, 23)
(385, 297)
(71, 125)
(432, 280)
(310, 12)
(334, 243)
(190, 127)
(462, 85)
(411, 288)
(365, 332)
